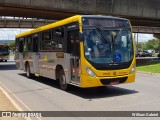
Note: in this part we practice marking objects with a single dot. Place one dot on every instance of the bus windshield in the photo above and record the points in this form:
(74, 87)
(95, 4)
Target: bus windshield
(108, 46)
(3, 50)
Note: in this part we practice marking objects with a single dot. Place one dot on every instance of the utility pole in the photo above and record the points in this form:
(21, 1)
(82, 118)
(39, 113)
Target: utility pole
(137, 39)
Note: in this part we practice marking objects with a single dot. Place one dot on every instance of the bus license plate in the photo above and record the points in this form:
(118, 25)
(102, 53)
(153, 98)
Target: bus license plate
(114, 83)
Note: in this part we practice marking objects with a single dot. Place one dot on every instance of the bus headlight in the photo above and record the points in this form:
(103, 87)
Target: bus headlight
(90, 72)
(133, 69)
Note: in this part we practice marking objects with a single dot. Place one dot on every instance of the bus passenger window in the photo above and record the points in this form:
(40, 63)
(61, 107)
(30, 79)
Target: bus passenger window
(57, 45)
(57, 39)
(25, 45)
(29, 43)
(46, 40)
(35, 43)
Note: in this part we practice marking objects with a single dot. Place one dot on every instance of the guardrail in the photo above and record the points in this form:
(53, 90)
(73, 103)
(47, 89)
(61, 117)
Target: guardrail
(143, 60)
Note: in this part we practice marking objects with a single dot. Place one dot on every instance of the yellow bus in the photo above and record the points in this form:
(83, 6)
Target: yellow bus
(83, 50)
(4, 52)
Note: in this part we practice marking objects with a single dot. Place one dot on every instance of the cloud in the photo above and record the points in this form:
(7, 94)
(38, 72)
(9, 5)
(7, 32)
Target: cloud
(144, 37)
(9, 34)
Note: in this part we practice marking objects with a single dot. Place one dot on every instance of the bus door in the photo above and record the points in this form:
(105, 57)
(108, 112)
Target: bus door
(74, 49)
(36, 53)
(21, 65)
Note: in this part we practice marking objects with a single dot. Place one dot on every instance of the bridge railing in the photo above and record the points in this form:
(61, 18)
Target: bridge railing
(146, 29)
(20, 22)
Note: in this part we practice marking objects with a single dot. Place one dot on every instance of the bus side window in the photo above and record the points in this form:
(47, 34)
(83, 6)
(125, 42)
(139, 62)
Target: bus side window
(21, 40)
(25, 44)
(46, 40)
(57, 41)
(17, 44)
(35, 43)
(29, 43)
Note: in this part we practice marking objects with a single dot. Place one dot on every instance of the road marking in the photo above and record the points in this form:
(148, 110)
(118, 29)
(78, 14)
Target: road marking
(48, 91)
(38, 86)
(44, 89)
(13, 102)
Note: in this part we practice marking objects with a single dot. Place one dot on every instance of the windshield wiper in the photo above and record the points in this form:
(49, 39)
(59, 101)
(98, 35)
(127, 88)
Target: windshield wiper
(119, 33)
(103, 35)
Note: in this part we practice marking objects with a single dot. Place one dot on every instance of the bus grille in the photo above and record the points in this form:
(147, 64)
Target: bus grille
(109, 81)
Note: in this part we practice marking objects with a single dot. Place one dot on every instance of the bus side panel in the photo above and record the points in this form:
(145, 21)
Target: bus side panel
(17, 59)
(48, 62)
(29, 59)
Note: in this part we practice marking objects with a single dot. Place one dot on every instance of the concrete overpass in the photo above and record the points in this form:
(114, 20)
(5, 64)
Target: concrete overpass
(140, 12)
(19, 22)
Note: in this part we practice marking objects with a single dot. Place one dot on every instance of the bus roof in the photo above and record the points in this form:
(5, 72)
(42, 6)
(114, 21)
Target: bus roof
(102, 16)
(62, 22)
(50, 26)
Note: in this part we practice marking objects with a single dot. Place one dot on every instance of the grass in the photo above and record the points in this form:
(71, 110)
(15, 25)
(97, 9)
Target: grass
(155, 55)
(153, 66)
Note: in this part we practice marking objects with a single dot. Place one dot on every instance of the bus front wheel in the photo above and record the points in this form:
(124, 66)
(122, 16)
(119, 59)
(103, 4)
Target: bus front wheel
(62, 80)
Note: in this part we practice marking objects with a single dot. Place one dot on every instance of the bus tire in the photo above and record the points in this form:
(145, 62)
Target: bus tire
(62, 80)
(28, 72)
(5, 60)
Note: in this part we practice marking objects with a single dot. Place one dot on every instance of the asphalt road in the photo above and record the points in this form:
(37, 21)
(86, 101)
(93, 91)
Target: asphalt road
(41, 94)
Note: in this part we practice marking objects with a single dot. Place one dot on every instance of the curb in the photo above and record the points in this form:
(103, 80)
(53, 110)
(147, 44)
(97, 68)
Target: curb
(11, 100)
(150, 73)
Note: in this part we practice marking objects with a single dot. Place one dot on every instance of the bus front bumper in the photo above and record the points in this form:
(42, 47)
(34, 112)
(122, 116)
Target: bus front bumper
(88, 81)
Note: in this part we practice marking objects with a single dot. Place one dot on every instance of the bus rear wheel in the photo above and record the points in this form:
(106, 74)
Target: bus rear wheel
(28, 72)
(62, 80)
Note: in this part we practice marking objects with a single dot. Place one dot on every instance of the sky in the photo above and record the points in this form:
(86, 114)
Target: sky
(9, 34)
(144, 37)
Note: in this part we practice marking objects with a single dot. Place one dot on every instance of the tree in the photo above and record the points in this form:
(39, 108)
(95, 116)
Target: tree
(12, 46)
(139, 46)
(152, 44)
(158, 37)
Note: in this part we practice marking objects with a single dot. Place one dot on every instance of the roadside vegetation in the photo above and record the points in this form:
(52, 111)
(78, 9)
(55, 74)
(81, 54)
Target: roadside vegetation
(152, 66)
(151, 46)
(12, 46)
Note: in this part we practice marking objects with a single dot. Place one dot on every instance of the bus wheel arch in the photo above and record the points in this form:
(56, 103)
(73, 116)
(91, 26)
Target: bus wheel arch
(60, 76)
(58, 69)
